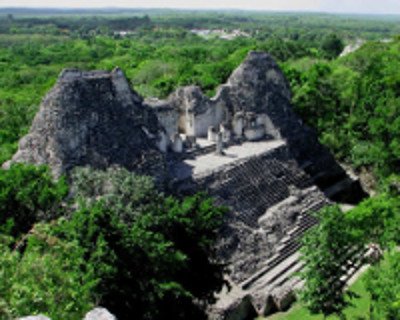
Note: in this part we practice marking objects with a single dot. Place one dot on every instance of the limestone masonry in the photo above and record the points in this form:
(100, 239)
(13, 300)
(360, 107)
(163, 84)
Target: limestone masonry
(245, 146)
(91, 118)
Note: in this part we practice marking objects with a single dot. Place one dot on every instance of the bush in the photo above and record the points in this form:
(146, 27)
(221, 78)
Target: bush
(154, 255)
(377, 220)
(332, 46)
(28, 194)
(325, 251)
(46, 277)
(383, 284)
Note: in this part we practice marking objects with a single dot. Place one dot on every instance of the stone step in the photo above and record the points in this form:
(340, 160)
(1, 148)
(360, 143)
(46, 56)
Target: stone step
(299, 231)
(299, 285)
(288, 248)
(314, 206)
(290, 232)
(297, 268)
(302, 226)
(275, 275)
(271, 263)
(280, 269)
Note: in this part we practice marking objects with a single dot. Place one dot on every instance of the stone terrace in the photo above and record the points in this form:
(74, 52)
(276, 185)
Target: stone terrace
(270, 197)
(205, 164)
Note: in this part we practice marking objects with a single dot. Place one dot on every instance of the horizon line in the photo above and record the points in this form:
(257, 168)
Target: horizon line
(200, 9)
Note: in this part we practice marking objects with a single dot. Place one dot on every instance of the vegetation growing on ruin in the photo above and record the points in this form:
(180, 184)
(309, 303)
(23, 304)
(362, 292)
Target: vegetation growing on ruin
(327, 248)
(28, 194)
(119, 243)
(337, 243)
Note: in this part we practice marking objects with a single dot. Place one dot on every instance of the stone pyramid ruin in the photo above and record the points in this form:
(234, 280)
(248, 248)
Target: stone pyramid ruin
(95, 119)
(245, 146)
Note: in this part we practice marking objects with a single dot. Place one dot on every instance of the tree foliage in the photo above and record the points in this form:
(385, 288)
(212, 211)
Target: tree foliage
(28, 194)
(353, 102)
(377, 220)
(328, 251)
(383, 284)
(332, 247)
(43, 274)
(153, 255)
(332, 46)
(119, 243)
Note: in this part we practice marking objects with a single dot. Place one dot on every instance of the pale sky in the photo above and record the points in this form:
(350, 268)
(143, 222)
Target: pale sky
(350, 6)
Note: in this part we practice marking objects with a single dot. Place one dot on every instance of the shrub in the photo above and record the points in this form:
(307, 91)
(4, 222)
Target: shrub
(154, 255)
(45, 277)
(29, 194)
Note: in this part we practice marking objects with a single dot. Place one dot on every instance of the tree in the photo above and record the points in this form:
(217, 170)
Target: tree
(383, 284)
(28, 194)
(315, 97)
(332, 46)
(377, 220)
(328, 250)
(154, 256)
(44, 275)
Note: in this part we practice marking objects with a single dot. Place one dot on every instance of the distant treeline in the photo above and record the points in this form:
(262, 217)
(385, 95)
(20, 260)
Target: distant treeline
(262, 25)
(82, 25)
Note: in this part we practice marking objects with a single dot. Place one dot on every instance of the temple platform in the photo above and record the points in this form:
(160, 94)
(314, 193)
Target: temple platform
(207, 163)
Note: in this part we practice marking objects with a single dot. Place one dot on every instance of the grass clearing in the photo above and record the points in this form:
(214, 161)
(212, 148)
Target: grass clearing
(359, 310)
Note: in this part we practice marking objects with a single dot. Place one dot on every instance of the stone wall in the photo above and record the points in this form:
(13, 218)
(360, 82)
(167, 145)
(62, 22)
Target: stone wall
(167, 116)
(258, 88)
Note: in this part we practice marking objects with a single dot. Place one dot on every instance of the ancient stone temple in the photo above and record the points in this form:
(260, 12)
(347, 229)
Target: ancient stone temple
(253, 105)
(245, 146)
(93, 118)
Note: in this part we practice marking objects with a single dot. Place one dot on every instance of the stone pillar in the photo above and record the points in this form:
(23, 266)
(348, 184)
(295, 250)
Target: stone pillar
(163, 142)
(260, 120)
(211, 134)
(238, 125)
(219, 144)
(177, 143)
(190, 141)
(190, 123)
(226, 133)
(270, 129)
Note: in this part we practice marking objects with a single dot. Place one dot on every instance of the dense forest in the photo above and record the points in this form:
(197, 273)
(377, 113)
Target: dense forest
(352, 101)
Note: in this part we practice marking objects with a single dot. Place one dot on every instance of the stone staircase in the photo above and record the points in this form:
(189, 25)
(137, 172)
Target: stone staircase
(253, 186)
(279, 272)
(271, 200)
(285, 260)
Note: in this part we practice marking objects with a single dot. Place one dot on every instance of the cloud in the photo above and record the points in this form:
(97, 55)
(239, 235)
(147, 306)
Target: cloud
(238, 4)
(368, 6)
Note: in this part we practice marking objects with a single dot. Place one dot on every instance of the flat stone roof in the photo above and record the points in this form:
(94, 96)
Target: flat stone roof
(210, 162)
